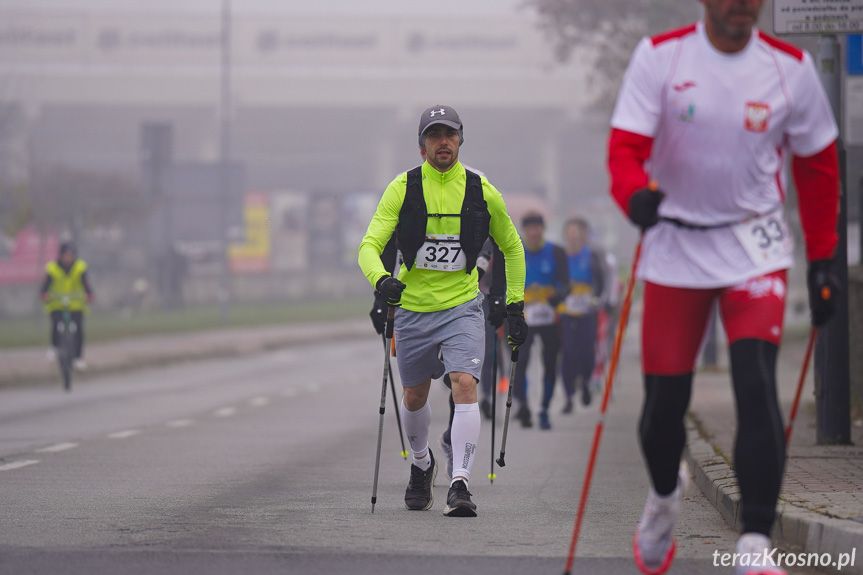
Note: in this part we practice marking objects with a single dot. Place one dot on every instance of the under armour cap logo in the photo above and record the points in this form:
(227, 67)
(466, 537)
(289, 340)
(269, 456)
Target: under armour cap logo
(442, 112)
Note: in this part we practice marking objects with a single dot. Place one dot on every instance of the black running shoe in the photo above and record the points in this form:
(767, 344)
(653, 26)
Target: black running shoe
(523, 415)
(419, 495)
(568, 407)
(585, 393)
(458, 503)
(544, 422)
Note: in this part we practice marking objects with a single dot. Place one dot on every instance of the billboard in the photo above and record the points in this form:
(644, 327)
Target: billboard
(25, 262)
(252, 255)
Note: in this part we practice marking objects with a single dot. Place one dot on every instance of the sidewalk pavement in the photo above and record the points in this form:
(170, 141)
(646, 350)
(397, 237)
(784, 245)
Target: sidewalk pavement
(20, 366)
(821, 503)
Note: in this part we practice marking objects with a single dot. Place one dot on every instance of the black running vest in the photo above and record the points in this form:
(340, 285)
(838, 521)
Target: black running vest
(411, 229)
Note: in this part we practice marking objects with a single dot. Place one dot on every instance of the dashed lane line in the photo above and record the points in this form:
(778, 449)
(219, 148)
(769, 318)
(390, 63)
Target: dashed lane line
(18, 464)
(57, 448)
(124, 434)
(181, 423)
(225, 412)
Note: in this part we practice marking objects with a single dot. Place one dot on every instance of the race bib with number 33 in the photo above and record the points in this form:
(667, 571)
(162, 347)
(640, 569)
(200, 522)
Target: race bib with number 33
(765, 238)
(442, 252)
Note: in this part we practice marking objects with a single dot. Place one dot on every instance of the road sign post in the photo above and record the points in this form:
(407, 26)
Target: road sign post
(832, 352)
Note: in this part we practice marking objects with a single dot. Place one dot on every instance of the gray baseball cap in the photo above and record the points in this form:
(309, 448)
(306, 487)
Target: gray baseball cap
(439, 115)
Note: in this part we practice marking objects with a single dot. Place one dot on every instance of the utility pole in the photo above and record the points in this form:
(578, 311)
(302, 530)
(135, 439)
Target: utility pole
(832, 354)
(225, 290)
(832, 350)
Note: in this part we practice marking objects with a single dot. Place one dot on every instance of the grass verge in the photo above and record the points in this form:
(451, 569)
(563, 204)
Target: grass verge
(106, 326)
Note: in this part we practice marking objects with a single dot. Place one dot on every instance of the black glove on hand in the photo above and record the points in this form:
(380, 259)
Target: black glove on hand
(391, 289)
(517, 325)
(823, 289)
(496, 310)
(379, 314)
(644, 207)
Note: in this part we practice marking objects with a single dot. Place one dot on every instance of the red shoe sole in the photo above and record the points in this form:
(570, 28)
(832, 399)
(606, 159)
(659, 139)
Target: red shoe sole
(639, 562)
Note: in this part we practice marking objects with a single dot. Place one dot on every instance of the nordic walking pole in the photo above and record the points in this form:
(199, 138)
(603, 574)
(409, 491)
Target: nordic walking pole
(395, 401)
(514, 359)
(609, 380)
(389, 334)
(812, 336)
(491, 475)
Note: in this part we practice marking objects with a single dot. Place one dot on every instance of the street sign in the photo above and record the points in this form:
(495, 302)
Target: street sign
(817, 16)
(855, 54)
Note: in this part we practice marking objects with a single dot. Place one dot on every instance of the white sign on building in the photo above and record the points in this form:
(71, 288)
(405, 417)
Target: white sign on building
(817, 16)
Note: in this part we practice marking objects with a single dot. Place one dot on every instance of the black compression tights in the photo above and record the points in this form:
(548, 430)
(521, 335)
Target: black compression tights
(759, 449)
(662, 429)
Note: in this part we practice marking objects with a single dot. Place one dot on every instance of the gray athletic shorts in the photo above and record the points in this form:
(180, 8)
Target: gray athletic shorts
(458, 333)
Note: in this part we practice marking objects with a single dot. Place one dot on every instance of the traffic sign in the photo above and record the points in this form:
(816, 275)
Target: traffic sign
(817, 16)
(854, 54)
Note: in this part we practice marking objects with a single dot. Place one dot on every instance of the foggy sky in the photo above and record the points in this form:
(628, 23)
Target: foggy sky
(441, 8)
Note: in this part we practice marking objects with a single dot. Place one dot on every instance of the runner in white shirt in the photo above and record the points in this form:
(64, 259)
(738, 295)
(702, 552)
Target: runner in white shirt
(711, 112)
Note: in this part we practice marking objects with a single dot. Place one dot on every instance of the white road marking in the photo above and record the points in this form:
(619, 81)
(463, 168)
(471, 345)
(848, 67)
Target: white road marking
(124, 434)
(259, 401)
(180, 423)
(225, 412)
(57, 448)
(17, 464)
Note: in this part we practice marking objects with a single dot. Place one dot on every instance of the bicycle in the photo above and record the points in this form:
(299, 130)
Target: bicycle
(66, 350)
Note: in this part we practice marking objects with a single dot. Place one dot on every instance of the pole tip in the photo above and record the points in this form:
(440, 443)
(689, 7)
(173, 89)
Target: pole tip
(501, 462)
(405, 455)
(492, 477)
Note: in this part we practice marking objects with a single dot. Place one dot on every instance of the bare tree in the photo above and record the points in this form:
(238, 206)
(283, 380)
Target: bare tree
(69, 198)
(608, 31)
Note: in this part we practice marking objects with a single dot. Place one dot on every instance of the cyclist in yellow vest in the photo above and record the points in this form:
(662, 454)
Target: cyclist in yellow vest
(67, 278)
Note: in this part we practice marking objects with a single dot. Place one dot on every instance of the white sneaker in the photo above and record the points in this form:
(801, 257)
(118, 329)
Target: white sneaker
(79, 364)
(754, 556)
(653, 545)
(51, 354)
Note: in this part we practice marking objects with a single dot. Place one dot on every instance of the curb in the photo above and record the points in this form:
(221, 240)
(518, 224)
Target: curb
(796, 529)
(167, 356)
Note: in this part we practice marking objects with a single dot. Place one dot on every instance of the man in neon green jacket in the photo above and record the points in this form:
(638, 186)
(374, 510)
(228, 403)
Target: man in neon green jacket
(441, 215)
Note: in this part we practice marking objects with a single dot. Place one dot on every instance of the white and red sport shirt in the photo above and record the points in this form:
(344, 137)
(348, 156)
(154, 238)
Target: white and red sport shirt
(713, 130)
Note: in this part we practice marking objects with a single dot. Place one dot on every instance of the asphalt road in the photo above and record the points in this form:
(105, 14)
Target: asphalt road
(264, 465)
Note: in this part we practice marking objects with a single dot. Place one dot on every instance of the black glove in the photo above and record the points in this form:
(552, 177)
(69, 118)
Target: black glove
(644, 207)
(391, 289)
(379, 314)
(496, 310)
(517, 325)
(823, 289)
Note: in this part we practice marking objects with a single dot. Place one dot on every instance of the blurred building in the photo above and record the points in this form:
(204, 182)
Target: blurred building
(319, 102)
(324, 108)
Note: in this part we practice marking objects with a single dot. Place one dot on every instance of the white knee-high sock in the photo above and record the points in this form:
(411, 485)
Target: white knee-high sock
(465, 436)
(416, 424)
